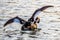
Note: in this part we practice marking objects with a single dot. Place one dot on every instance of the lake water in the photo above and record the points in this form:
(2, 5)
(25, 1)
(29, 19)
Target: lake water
(49, 19)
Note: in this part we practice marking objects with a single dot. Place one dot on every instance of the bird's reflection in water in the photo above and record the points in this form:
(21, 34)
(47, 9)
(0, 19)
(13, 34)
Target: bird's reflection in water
(32, 34)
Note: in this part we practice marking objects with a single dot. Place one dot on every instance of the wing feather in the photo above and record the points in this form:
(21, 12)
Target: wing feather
(37, 12)
(8, 22)
(21, 21)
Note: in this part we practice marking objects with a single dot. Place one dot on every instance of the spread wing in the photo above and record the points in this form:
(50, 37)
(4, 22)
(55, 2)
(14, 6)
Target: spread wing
(37, 12)
(8, 22)
(21, 21)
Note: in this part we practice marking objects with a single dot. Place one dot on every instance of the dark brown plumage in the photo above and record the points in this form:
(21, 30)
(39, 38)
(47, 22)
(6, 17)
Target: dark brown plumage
(40, 9)
(21, 21)
(31, 24)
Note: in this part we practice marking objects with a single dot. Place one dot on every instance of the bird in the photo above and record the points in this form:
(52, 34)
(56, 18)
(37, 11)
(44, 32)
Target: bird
(31, 23)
